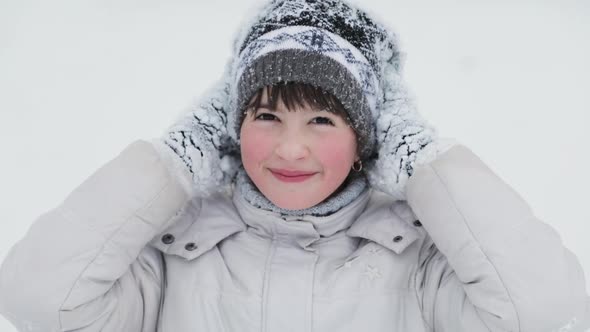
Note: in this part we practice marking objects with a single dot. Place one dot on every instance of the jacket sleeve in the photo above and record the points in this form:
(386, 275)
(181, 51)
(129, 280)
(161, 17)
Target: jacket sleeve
(85, 266)
(488, 263)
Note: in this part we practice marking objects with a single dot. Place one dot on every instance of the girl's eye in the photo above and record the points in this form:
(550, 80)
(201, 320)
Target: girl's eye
(265, 117)
(323, 120)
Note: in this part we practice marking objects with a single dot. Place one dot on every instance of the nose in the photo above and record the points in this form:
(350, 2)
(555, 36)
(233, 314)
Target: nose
(292, 146)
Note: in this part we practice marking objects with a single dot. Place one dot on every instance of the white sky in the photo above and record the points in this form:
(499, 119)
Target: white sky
(79, 80)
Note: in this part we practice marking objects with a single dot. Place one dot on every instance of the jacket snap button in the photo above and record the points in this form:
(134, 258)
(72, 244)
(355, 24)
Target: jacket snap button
(168, 238)
(398, 238)
(417, 223)
(190, 246)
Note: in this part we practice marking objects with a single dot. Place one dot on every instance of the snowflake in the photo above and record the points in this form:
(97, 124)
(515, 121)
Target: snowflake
(570, 325)
(372, 272)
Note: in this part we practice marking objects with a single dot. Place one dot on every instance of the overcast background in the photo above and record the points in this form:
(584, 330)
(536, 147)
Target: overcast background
(80, 80)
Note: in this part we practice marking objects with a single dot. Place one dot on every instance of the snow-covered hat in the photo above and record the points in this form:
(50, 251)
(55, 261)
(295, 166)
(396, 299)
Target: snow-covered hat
(327, 44)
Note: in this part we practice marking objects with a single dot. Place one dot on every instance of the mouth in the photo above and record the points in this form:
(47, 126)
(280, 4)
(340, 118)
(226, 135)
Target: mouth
(291, 176)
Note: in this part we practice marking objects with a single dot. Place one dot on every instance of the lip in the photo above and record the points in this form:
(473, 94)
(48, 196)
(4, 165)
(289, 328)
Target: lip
(291, 176)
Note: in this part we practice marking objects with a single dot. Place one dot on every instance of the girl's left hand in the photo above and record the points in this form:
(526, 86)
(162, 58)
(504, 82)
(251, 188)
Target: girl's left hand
(404, 141)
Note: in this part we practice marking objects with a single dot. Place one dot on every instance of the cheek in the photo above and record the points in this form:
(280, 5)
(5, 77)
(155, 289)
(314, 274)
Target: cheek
(255, 146)
(337, 153)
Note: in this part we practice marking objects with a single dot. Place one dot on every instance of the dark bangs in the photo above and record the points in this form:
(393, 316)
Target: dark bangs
(295, 94)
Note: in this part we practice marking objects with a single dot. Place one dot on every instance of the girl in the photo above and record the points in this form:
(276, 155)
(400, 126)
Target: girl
(303, 193)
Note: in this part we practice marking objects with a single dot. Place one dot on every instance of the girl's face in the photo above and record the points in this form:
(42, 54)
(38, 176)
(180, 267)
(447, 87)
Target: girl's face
(298, 158)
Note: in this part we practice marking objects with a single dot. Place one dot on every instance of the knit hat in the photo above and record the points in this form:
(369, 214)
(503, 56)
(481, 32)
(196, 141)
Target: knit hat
(326, 43)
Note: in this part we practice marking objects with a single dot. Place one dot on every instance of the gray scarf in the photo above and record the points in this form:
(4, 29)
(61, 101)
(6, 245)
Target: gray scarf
(352, 187)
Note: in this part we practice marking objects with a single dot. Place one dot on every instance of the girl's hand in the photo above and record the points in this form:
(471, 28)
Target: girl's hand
(197, 147)
(404, 141)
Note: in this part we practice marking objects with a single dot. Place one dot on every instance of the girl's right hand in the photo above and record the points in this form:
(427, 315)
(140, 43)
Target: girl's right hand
(197, 146)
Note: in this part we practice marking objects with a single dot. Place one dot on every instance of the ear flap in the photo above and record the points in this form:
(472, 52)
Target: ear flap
(404, 139)
(199, 142)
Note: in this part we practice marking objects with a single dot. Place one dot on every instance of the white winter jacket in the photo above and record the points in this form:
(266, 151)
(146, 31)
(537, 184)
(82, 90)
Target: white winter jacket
(129, 250)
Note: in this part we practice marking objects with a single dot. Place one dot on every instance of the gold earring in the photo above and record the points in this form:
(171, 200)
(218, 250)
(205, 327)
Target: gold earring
(359, 168)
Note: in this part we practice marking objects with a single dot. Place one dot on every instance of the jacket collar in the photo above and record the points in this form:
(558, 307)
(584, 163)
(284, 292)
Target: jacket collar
(204, 222)
(389, 223)
(302, 230)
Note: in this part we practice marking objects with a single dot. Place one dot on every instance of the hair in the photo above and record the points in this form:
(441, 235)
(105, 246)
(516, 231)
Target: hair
(295, 94)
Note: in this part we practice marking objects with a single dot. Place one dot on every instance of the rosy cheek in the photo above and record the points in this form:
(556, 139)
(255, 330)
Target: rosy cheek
(255, 147)
(336, 153)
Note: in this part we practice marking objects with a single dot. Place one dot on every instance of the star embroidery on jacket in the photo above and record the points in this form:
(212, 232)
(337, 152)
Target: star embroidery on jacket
(569, 325)
(372, 272)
